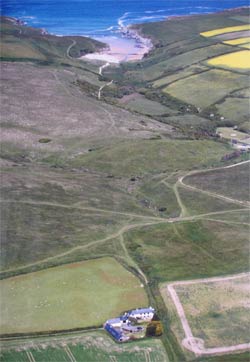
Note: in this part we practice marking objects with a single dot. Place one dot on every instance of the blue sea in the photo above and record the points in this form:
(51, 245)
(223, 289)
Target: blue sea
(97, 18)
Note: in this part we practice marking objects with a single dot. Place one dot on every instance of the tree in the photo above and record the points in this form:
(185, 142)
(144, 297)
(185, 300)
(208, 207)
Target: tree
(154, 329)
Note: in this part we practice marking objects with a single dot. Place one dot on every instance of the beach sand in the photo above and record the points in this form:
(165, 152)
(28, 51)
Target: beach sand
(121, 49)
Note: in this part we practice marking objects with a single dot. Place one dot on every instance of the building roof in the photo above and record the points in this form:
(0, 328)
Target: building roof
(141, 311)
(117, 334)
(114, 321)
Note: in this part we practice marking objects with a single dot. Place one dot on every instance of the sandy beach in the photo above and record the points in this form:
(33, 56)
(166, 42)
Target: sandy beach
(126, 46)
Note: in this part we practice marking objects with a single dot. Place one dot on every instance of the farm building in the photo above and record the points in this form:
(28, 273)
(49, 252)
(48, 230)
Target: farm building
(120, 326)
(144, 314)
(117, 334)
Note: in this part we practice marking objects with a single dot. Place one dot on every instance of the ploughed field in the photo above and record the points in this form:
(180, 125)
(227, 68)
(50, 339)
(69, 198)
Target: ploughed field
(91, 346)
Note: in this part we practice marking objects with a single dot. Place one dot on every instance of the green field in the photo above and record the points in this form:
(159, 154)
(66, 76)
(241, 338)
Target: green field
(231, 182)
(193, 69)
(199, 203)
(90, 347)
(207, 88)
(152, 156)
(209, 248)
(234, 109)
(67, 297)
(146, 106)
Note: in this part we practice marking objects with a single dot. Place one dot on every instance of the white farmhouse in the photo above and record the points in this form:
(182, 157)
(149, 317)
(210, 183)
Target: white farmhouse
(143, 314)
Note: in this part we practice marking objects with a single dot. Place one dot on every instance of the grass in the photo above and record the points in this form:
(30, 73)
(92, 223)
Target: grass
(193, 69)
(52, 231)
(198, 203)
(246, 46)
(231, 182)
(217, 311)
(152, 156)
(208, 249)
(230, 29)
(188, 58)
(231, 133)
(70, 296)
(234, 61)
(19, 51)
(146, 106)
(235, 216)
(214, 84)
(234, 109)
(17, 42)
(94, 347)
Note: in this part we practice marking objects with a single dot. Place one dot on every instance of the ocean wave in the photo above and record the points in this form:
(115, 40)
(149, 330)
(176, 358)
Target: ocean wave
(26, 17)
(121, 19)
(141, 18)
(154, 11)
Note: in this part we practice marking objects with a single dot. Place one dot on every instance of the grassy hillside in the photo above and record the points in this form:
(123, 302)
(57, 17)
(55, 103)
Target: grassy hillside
(19, 42)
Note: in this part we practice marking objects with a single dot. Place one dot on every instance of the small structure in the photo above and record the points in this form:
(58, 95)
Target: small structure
(121, 328)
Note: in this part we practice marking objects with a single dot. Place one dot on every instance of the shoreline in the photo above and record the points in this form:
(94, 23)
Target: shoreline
(129, 46)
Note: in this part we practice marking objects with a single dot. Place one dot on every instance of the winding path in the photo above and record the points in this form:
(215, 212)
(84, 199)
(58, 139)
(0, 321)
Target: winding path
(107, 84)
(69, 48)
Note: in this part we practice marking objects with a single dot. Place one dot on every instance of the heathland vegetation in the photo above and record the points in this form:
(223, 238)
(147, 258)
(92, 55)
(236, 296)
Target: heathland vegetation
(119, 194)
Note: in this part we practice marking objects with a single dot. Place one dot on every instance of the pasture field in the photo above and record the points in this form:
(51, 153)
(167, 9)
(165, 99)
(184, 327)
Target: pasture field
(193, 69)
(234, 109)
(238, 41)
(231, 182)
(188, 58)
(235, 61)
(69, 296)
(237, 216)
(216, 311)
(146, 106)
(246, 46)
(90, 347)
(209, 248)
(196, 202)
(214, 84)
(230, 29)
(152, 156)
(230, 133)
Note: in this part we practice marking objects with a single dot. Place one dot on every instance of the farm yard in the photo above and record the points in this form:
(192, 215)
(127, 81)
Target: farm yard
(214, 312)
(68, 297)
